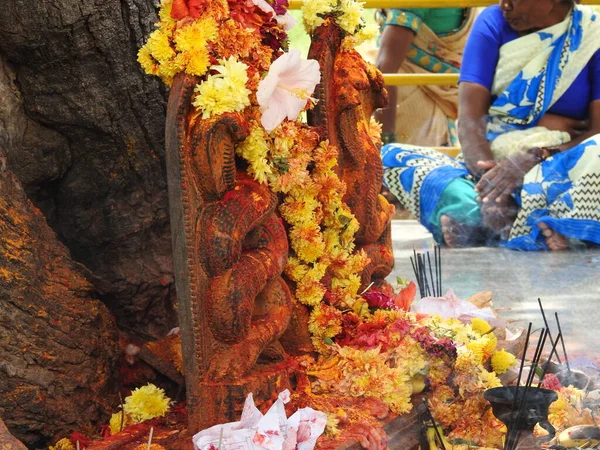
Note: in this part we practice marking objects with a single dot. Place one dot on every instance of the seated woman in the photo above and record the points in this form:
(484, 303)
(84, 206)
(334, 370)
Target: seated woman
(422, 40)
(529, 125)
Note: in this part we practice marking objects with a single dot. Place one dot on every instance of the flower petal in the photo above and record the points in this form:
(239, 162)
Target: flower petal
(286, 21)
(286, 88)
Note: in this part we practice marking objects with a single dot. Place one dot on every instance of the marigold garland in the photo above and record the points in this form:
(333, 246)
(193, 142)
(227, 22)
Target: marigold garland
(366, 352)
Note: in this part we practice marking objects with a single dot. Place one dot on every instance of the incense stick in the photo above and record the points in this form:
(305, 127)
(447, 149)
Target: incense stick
(516, 436)
(562, 340)
(433, 284)
(516, 395)
(429, 281)
(546, 323)
(437, 432)
(439, 250)
(435, 262)
(150, 438)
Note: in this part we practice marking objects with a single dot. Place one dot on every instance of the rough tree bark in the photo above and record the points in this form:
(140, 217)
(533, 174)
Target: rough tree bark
(8, 441)
(84, 132)
(58, 345)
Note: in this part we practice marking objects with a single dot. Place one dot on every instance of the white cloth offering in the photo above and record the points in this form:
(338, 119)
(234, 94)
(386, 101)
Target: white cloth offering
(273, 431)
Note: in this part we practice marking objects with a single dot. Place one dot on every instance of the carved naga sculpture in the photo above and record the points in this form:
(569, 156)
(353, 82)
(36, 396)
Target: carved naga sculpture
(350, 91)
(230, 246)
(230, 250)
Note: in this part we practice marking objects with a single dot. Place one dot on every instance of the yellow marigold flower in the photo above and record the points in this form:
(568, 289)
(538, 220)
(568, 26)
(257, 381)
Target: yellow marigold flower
(502, 361)
(255, 147)
(487, 380)
(476, 347)
(313, 12)
(364, 34)
(559, 411)
(347, 234)
(375, 129)
(224, 92)
(307, 241)
(169, 69)
(325, 156)
(466, 359)
(198, 61)
(235, 40)
(410, 357)
(388, 316)
(295, 269)
(480, 325)
(148, 63)
(118, 422)
(63, 444)
(146, 403)
(299, 211)
(260, 170)
(196, 35)
(490, 346)
(331, 427)
(316, 272)
(353, 264)
(159, 45)
(349, 284)
(310, 293)
(439, 371)
(351, 17)
(325, 321)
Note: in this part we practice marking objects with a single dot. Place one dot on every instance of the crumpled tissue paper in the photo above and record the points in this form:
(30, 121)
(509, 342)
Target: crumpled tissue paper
(272, 431)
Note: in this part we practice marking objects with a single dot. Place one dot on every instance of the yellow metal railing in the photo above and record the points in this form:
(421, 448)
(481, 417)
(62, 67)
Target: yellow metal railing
(296, 4)
(418, 79)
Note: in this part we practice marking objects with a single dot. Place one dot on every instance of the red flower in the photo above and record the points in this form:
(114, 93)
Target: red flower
(379, 300)
(551, 381)
(187, 8)
(406, 296)
(246, 13)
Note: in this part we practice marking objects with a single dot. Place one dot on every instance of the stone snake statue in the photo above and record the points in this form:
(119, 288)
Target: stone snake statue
(350, 91)
(230, 250)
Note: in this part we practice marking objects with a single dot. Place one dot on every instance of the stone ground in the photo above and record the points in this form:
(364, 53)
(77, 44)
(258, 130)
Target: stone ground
(567, 282)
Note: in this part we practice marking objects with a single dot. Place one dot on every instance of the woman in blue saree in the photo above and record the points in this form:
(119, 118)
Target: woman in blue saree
(529, 126)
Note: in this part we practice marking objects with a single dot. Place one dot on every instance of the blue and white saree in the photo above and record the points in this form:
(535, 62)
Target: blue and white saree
(533, 72)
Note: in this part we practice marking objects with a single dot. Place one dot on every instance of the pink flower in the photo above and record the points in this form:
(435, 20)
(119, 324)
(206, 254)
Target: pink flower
(551, 381)
(287, 88)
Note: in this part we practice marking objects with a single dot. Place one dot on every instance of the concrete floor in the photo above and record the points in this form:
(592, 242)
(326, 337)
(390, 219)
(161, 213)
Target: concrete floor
(567, 282)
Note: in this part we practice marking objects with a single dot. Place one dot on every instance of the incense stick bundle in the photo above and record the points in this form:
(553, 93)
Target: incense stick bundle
(546, 324)
(429, 277)
(515, 433)
(562, 340)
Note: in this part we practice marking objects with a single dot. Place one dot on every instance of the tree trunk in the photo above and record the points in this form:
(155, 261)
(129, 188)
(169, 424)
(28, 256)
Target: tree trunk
(8, 441)
(84, 132)
(58, 345)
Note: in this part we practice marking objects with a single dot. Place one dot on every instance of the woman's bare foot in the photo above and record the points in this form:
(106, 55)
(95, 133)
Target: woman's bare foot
(555, 241)
(499, 216)
(457, 234)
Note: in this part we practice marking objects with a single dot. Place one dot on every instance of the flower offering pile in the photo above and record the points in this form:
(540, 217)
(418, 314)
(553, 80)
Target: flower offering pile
(374, 351)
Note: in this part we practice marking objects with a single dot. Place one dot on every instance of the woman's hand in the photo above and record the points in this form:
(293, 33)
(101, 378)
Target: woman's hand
(503, 177)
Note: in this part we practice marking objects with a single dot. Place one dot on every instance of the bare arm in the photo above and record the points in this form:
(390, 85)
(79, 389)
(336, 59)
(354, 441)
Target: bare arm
(593, 127)
(473, 105)
(394, 45)
(502, 178)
